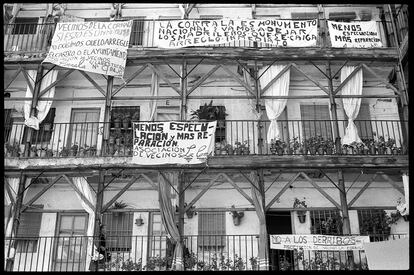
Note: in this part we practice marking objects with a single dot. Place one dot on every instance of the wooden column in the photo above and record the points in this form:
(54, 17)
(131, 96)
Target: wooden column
(107, 114)
(16, 222)
(98, 210)
(183, 84)
(346, 227)
(333, 110)
(33, 110)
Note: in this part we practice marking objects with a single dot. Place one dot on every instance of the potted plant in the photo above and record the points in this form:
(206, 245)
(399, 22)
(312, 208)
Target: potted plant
(209, 112)
(390, 145)
(42, 152)
(320, 145)
(278, 146)
(118, 205)
(402, 209)
(33, 151)
(191, 211)
(64, 152)
(139, 221)
(311, 145)
(12, 150)
(376, 225)
(369, 146)
(49, 152)
(73, 150)
(92, 151)
(237, 216)
(126, 119)
(300, 204)
(329, 146)
(380, 145)
(117, 120)
(242, 148)
(229, 149)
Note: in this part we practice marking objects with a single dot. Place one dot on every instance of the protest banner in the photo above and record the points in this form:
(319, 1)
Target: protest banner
(172, 142)
(279, 33)
(317, 242)
(98, 47)
(354, 34)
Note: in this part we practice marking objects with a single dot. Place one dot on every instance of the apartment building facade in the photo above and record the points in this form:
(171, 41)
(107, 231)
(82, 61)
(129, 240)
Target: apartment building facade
(284, 160)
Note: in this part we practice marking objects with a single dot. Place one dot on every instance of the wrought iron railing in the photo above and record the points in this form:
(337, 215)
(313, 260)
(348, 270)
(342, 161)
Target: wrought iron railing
(233, 138)
(20, 38)
(148, 253)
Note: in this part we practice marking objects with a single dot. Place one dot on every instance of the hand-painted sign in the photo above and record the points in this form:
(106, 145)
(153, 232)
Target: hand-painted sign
(172, 142)
(317, 242)
(280, 33)
(98, 47)
(354, 34)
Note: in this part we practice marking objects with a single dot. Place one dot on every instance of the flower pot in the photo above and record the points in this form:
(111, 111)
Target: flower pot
(217, 151)
(43, 154)
(273, 151)
(230, 151)
(320, 151)
(280, 151)
(302, 217)
(289, 151)
(72, 153)
(405, 217)
(312, 150)
(372, 150)
(33, 154)
(117, 123)
(139, 221)
(329, 151)
(381, 150)
(236, 221)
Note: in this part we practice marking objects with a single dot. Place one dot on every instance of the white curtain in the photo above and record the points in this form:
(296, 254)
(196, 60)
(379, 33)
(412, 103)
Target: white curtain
(351, 105)
(258, 205)
(167, 216)
(42, 107)
(85, 189)
(154, 92)
(406, 194)
(274, 107)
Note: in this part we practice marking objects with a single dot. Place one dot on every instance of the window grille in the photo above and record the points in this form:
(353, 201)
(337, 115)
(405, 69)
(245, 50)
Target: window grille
(373, 222)
(326, 222)
(118, 230)
(137, 32)
(211, 229)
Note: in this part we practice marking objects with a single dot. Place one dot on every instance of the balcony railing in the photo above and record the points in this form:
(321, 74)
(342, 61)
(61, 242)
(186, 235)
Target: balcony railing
(233, 138)
(33, 38)
(148, 253)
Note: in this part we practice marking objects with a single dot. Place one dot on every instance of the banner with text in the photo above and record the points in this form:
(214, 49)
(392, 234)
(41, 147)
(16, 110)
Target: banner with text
(317, 242)
(98, 47)
(354, 34)
(172, 142)
(279, 33)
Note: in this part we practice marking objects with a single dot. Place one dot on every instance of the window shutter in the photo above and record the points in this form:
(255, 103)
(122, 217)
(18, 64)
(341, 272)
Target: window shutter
(118, 230)
(316, 121)
(211, 229)
(30, 222)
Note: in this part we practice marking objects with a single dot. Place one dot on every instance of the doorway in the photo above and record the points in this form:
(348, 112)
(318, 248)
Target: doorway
(279, 222)
(84, 127)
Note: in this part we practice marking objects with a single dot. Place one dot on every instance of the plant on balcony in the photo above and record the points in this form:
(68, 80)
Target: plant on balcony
(191, 211)
(12, 150)
(73, 149)
(254, 262)
(380, 145)
(91, 151)
(401, 212)
(33, 151)
(135, 117)
(118, 205)
(126, 120)
(119, 263)
(278, 146)
(64, 152)
(294, 146)
(390, 146)
(376, 224)
(311, 144)
(241, 148)
(220, 148)
(369, 146)
(237, 216)
(329, 146)
(209, 112)
(229, 149)
(117, 119)
(300, 204)
(129, 144)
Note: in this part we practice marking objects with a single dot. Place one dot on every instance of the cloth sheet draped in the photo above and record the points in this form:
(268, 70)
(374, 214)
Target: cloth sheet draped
(274, 107)
(351, 105)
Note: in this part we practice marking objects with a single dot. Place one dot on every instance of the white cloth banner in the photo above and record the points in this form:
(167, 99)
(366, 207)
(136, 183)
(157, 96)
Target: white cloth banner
(351, 105)
(173, 142)
(317, 242)
(42, 107)
(274, 107)
(388, 255)
(280, 33)
(98, 47)
(354, 34)
(83, 187)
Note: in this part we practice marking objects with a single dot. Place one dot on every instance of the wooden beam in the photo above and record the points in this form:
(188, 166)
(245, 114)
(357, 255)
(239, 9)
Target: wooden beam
(93, 82)
(163, 77)
(388, 85)
(41, 192)
(169, 182)
(28, 80)
(238, 79)
(393, 183)
(44, 91)
(310, 79)
(326, 195)
(285, 69)
(282, 191)
(199, 195)
(150, 181)
(347, 79)
(362, 190)
(140, 70)
(14, 76)
(9, 192)
(120, 193)
(202, 79)
(84, 199)
(237, 188)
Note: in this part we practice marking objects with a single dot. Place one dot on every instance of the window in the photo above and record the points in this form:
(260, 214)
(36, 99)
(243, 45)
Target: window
(28, 231)
(25, 25)
(137, 32)
(44, 134)
(158, 237)
(326, 222)
(211, 229)
(315, 121)
(304, 15)
(363, 122)
(118, 230)
(342, 16)
(373, 222)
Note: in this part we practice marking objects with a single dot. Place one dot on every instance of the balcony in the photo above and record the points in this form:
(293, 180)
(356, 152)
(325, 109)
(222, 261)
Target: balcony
(233, 138)
(33, 41)
(202, 253)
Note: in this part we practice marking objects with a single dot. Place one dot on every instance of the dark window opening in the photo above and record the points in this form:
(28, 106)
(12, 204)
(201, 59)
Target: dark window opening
(326, 222)
(316, 121)
(25, 25)
(211, 229)
(118, 230)
(373, 222)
